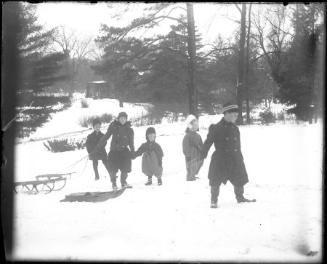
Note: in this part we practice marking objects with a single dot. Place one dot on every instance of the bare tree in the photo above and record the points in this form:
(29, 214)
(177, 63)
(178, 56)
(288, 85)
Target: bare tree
(240, 83)
(75, 49)
(272, 33)
(247, 66)
(191, 60)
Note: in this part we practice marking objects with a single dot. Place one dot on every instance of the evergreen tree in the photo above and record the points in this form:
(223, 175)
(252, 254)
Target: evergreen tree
(297, 81)
(39, 67)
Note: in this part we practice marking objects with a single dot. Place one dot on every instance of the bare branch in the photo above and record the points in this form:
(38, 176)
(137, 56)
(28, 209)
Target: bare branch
(238, 8)
(231, 19)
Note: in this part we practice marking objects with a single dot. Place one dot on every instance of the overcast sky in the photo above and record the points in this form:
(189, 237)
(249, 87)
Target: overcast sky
(86, 18)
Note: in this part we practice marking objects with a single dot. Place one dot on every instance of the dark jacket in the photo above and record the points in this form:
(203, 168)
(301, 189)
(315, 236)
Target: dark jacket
(92, 141)
(192, 145)
(227, 161)
(122, 136)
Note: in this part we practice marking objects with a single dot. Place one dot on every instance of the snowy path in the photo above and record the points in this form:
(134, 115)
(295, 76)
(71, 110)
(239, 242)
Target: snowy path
(174, 221)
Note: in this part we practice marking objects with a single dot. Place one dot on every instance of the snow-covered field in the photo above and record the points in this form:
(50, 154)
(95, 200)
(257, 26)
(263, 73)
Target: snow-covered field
(174, 221)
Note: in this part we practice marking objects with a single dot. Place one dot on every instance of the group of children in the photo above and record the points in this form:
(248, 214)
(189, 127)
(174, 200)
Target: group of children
(226, 162)
(122, 150)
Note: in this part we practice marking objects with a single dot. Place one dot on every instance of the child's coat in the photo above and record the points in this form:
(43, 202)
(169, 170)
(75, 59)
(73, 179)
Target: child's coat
(91, 143)
(151, 159)
(192, 147)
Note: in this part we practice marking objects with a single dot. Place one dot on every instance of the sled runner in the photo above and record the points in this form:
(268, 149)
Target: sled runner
(44, 183)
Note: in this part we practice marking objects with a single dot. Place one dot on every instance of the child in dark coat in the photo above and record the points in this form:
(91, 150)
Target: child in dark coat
(121, 149)
(152, 157)
(96, 154)
(192, 146)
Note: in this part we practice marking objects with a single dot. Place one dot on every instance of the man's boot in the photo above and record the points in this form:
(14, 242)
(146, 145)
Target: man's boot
(239, 194)
(159, 181)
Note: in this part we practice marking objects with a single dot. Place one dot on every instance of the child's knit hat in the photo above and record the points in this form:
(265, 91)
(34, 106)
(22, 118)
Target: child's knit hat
(96, 121)
(189, 120)
(150, 130)
(122, 114)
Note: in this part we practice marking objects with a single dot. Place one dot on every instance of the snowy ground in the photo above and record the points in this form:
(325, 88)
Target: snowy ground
(174, 221)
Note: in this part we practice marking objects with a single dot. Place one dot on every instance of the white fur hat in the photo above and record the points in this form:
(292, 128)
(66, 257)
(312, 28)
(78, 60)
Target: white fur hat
(189, 120)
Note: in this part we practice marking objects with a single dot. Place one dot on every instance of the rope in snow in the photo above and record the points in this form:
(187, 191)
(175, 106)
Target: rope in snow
(76, 162)
(86, 161)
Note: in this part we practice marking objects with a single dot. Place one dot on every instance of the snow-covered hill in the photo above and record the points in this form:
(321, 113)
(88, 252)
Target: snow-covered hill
(70, 119)
(174, 221)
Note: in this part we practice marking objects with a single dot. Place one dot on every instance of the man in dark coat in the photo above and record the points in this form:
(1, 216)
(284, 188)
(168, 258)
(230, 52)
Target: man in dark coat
(121, 149)
(227, 161)
(96, 154)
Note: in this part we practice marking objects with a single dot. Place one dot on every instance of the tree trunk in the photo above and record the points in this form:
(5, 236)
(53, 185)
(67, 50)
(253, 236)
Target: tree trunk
(247, 67)
(10, 83)
(240, 85)
(191, 59)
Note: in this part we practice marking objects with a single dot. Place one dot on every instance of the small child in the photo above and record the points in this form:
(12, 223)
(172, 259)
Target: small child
(152, 157)
(96, 154)
(192, 146)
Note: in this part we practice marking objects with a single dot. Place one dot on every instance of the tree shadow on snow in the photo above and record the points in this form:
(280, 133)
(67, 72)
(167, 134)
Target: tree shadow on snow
(92, 197)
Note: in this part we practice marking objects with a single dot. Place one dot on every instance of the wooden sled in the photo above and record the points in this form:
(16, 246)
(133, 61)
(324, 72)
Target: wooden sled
(44, 183)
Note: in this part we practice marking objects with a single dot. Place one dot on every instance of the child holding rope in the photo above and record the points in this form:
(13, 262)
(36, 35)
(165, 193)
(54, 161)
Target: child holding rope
(96, 154)
(192, 146)
(121, 149)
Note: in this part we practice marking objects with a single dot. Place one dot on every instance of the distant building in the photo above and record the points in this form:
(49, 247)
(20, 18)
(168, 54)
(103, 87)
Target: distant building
(99, 89)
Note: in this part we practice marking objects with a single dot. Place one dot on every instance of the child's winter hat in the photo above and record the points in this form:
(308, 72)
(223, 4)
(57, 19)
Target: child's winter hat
(122, 114)
(230, 107)
(150, 130)
(189, 120)
(96, 121)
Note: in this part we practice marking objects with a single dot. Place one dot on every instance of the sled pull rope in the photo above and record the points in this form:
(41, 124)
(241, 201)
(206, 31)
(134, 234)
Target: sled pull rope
(75, 163)
(84, 167)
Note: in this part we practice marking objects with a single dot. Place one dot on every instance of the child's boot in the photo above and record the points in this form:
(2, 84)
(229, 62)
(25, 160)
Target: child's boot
(114, 187)
(149, 182)
(96, 175)
(126, 185)
(113, 181)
